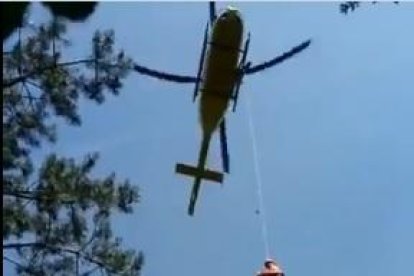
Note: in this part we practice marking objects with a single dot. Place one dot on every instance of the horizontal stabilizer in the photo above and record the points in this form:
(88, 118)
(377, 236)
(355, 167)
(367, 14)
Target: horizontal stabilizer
(198, 173)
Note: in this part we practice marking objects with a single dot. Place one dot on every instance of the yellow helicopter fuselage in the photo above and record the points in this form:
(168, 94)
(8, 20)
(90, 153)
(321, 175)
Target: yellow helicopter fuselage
(221, 70)
(219, 78)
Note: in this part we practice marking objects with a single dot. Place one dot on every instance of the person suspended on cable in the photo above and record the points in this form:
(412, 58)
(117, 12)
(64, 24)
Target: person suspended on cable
(270, 268)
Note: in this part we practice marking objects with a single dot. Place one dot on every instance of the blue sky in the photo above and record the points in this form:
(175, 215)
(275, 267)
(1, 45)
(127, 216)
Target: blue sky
(333, 130)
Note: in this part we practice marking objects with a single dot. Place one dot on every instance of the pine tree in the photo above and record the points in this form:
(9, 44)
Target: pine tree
(57, 219)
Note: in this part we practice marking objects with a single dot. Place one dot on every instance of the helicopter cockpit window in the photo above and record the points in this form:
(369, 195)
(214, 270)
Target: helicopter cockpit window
(224, 16)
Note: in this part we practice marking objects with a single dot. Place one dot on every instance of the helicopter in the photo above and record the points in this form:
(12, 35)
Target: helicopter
(221, 69)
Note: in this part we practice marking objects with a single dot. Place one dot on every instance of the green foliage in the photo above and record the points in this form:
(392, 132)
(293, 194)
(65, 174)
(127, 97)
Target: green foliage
(57, 218)
(12, 13)
(75, 11)
(347, 6)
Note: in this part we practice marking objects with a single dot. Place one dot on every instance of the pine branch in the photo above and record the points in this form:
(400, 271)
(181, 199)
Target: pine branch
(13, 261)
(11, 82)
(29, 96)
(28, 195)
(19, 265)
(92, 270)
(18, 245)
(42, 245)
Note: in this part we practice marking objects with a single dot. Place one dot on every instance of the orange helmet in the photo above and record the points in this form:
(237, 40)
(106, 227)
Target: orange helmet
(269, 261)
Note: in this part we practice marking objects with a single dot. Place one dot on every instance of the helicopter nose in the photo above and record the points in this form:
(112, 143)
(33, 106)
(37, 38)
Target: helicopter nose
(224, 16)
(230, 15)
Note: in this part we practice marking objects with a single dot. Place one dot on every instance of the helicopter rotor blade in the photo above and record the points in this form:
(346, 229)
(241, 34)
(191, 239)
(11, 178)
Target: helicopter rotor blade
(163, 75)
(224, 149)
(212, 12)
(246, 48)
(201, 63)
(295, 50)
(242, 66)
